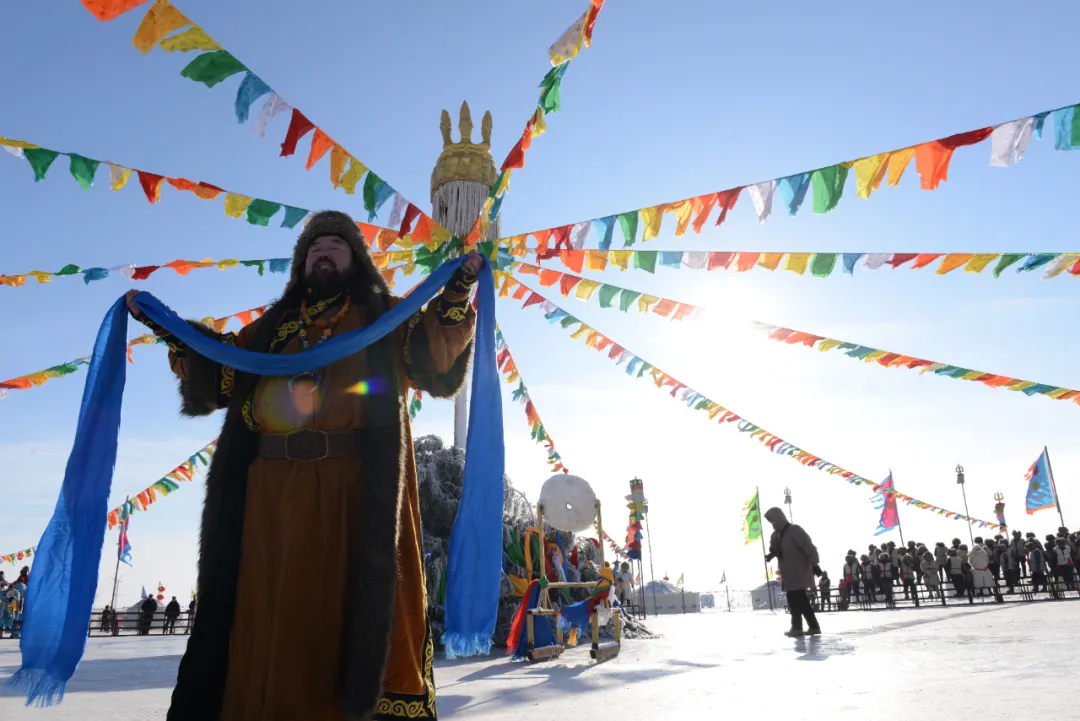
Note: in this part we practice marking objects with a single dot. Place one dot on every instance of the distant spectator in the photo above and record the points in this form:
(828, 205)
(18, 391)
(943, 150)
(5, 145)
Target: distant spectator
(1036, 565)
(172, 612)
(146, 615)
(191, 615)
(825, 586)
(930, 574)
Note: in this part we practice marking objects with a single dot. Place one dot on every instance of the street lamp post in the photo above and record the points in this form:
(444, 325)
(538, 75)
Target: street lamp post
(960, 482)
(787, 500)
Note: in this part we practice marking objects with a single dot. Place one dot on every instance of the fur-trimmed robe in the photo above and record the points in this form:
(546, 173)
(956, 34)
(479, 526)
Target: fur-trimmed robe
(401, 358)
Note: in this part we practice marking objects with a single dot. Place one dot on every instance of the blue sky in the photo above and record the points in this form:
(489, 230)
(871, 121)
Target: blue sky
(671, 101)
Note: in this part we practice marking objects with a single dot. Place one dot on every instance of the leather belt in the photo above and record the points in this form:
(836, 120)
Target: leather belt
(308, 445)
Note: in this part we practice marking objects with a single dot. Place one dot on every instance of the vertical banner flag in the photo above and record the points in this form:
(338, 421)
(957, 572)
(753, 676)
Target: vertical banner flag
(752, 519)
(636, 504)
(679, 583)
(999, 510)
(123, 545)
(885, 501)
(723, 577)
(1040, 493)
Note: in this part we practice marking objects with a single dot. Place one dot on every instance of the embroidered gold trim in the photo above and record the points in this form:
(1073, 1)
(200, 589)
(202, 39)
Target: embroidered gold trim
(455, 313)
(249, 418)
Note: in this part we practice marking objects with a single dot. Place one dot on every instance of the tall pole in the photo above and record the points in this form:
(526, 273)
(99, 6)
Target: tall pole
(764, 551)
(727, 593)
(460, 183)
(119, 552)
(652, 576)
(1053, 487)
(960, 482)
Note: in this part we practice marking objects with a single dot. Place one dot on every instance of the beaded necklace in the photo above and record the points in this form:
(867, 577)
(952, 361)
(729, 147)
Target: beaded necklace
(325, 325)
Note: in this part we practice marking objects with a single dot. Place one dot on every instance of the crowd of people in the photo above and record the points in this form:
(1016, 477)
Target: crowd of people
(12, 598)
(110, 621)
(991, 567)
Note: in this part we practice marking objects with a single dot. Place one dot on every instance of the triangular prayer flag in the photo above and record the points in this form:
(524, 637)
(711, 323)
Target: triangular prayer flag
(83, 169)
(213, 67)
(40, 159)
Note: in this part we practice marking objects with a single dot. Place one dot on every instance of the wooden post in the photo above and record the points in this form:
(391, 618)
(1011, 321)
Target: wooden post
(1053, 487)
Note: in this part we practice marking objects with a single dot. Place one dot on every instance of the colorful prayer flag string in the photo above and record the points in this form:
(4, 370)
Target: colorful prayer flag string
(819, 265)
(383, 259)
(164, 485)
(637, 366)
(509, 370)
(22, 555)
(255, 210)
(165, 27)
(607, 295)
(1008, 142)
(561, 52)
(889, 359)
(34, 380)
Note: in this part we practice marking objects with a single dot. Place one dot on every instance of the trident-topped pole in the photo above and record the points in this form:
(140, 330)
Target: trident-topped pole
(460, 183)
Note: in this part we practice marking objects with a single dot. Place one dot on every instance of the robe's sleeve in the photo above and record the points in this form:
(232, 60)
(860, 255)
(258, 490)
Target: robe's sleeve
(438, 340)
(205, 386)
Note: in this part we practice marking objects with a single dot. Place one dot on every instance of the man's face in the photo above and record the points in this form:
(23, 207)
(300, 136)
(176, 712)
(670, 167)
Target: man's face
(328, 259)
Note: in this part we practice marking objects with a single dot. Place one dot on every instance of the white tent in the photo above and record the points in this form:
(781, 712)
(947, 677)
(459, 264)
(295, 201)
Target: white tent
(664, 597)
(759, 597)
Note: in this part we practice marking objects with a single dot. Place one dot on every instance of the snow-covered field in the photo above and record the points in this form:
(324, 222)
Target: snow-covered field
(981, 663)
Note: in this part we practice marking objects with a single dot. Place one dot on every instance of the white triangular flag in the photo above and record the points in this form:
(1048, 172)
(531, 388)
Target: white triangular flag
(273, 106)
(762, 194)
(581, 234)
(397, 210)
(876, 260)
(18, 153)
(695, 259)
(1060, 264)
(1008, 140)
(128, 270)
(569, 43)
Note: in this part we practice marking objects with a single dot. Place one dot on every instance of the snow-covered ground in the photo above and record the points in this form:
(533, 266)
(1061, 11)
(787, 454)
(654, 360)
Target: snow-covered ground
(982, 662)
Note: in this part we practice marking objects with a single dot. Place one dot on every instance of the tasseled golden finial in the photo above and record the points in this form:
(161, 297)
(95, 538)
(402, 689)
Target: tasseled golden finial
(464, 160)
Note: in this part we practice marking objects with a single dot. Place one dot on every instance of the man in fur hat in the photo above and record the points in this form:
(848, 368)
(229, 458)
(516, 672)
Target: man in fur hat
(315, 475)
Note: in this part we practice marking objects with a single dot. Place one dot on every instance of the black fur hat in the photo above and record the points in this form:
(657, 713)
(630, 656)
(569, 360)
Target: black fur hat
(334, 222)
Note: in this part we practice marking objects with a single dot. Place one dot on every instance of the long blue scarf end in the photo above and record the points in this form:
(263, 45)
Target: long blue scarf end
(42, 689)
(458, 645)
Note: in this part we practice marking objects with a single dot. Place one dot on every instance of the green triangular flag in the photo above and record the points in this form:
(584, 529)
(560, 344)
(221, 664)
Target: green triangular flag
(628, 222)
(261, 211)
(69, 269)
(607, 295)
(83, 169)
(1007, 259)
(627, 298)
(822, 264)
(213, 67)
(568, 321)
(371, 187)
(549, 98)
(260, 264)
(645, 260)
(40, 159)
(828, 187)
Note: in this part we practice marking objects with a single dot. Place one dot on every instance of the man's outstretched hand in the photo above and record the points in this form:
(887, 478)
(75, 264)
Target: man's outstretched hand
(473, 262)
(134, 309)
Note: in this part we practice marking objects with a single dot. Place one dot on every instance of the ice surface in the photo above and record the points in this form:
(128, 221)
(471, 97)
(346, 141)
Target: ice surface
(982, 662)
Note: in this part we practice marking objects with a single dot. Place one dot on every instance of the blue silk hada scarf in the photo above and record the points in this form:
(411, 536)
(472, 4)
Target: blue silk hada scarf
(60, 598)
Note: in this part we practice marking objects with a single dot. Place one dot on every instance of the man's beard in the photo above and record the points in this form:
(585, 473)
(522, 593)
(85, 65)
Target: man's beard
(327, 282)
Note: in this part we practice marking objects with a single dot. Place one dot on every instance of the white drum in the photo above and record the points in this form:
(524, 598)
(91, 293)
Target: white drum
(569, 503)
